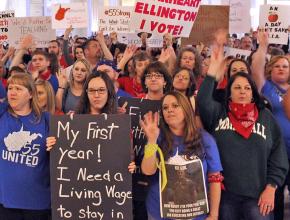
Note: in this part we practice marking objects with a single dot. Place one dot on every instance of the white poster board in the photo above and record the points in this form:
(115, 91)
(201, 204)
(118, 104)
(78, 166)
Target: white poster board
(275, 19)
(38, 27)
(4, 16)
(64, 15)
(133, 38)
(114, 19)
(240, 19)
(160, 17)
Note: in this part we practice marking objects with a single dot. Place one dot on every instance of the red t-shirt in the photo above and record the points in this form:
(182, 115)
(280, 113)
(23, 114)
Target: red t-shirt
(130, 85)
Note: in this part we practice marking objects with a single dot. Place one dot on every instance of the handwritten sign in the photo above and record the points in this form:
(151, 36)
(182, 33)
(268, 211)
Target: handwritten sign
(240, 19)
(133, 38)
(89, 174)
(275, 19)
(4, 16)
(210, 18)
(64, 15)
(114, 19)
(240, 54)
(137, 108)
(163, 16)
(38, 27)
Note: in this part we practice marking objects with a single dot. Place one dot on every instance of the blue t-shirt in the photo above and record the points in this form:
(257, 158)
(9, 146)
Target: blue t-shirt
(24, 162)
(54, 83)
(275, 96)
(122, 93)
(2, 91)
(210, 164)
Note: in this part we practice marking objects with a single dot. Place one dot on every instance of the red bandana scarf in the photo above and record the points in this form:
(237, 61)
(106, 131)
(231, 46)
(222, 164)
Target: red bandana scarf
(243, 117)
(45, 75)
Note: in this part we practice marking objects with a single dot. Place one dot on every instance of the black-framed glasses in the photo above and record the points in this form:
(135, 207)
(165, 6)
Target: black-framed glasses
(155, 75)
(100, 91)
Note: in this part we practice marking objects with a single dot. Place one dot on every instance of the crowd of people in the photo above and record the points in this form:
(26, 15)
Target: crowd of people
(232, 114)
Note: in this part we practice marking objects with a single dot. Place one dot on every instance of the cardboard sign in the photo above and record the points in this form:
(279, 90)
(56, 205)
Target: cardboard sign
(38, 27)
(4, 16)
(88, 165)
(64, 15)
(114, 19)
(275, 19)
(184, 196)
(210, 18)
(133, 38)
(240, 18)
(137, 108)
(163, 16)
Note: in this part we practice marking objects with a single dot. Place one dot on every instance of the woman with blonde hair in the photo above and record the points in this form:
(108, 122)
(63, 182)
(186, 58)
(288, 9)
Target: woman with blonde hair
(45, 96)
(68, 94)
(273, 83)
(24, 165)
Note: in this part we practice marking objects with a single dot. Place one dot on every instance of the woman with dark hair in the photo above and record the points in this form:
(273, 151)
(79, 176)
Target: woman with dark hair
(98, 95)
(24, 164)
(250, 144)
(155, 81)
(238, 65)
(184, 82)
(178, 136)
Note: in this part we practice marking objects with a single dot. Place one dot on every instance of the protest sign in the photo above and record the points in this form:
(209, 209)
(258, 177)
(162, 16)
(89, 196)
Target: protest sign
(184, 196)
(137, 108)
(89, 167)
(4, 16)
(114, 19)
(210, 18)
(163, 16)
(133, 38)
(64, 15)
(38, 27)
(240, 54)
(275, 20)
(240, 19)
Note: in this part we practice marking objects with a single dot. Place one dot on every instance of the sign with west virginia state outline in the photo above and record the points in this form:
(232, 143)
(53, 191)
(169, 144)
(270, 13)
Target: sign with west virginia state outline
(64, 15)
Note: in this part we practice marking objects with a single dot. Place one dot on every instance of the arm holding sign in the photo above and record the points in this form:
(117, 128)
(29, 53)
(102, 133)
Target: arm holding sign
(65, 49)
(150, 127)
(259, 60)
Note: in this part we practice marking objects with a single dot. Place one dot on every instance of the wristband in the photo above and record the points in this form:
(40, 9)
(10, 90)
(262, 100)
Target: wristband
(150, 150)
(61, 87)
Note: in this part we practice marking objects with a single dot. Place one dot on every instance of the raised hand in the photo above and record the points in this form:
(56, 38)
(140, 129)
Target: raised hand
(26, 42)
(150, 126)
(67, 32)
(216, 67)
(263, 38)
(62, 78)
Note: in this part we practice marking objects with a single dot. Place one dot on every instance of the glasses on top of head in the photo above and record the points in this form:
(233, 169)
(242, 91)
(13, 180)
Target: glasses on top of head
(101, 91)
(155, 75)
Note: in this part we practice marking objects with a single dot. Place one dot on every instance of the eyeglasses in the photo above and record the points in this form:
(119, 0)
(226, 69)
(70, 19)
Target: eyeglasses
(181, 77)
(155, 75)
(173, 106)
(101, 91)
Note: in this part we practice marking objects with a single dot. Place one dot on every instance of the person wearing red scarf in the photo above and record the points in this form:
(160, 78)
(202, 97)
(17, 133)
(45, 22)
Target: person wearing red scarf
(250, 143)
